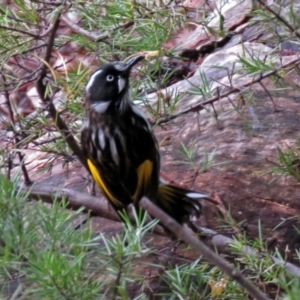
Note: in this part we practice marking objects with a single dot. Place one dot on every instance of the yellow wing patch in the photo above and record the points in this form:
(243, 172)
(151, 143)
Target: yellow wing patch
(144, 172)
(97, 177)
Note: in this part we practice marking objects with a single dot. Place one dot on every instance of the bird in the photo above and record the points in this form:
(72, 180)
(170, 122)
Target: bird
(122, 152)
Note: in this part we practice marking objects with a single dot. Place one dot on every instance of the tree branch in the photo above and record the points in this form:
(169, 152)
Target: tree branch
(186, 235)
(19, 30)
(280, 18)
(41, 89)
(16, 138)
(76, 200)
(200, 106)
(90, 35)
(100, 208)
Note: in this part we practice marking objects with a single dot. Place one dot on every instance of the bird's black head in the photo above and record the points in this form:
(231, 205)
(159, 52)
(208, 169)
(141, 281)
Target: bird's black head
(111, 82)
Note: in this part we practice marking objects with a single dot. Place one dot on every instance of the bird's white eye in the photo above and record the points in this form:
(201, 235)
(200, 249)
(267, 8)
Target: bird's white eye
(110, 78)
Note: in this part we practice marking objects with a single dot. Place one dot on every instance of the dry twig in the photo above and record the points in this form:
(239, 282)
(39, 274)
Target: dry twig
(186, 235)
(41, 89)
(201, 106)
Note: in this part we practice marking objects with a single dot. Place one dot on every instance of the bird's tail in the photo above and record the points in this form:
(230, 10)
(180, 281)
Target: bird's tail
(181, 204)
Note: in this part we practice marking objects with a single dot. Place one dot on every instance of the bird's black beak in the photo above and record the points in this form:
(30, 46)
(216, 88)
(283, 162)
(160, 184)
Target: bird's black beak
(124, 68)
(133, 61)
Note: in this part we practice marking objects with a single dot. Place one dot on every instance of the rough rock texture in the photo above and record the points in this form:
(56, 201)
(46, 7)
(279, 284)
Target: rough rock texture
(243, 137)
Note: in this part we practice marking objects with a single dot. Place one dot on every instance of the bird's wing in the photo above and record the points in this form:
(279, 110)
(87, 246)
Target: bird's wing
(133, 170)
(143, 162)
(144, 177)
(105, 187)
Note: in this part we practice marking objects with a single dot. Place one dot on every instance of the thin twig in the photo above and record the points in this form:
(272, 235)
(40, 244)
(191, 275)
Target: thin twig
(200, 106)
(270, 96)
(32, 49)
(280, 18)
(19, 30)
(41, 89)
(16, 138)
(90, 35)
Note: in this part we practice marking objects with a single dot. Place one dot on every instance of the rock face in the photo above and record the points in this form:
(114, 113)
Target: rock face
(244, 134)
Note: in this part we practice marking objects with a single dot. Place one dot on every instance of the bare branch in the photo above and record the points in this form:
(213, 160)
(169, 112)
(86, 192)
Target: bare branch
(49, 48)
(200, 106)
(100, 208)
(186, 235)
(280, 18)
(16, 138)
(223, 242)
(19, 30)
(75, 200)
(90, 35)
(41, 89)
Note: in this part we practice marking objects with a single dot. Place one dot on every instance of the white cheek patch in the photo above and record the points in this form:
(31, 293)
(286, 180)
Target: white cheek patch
(92, 79)
(121, 83)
